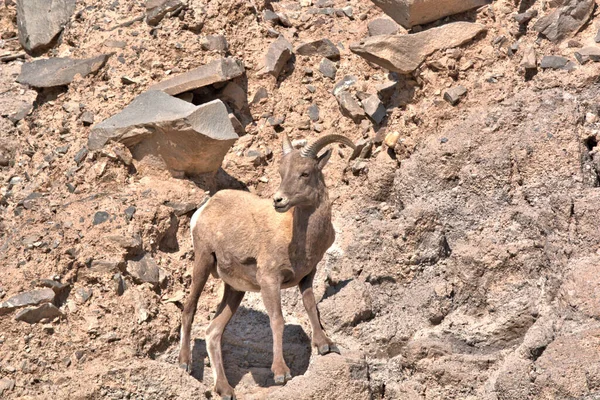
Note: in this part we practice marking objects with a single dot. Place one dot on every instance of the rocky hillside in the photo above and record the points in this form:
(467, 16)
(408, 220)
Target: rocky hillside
(467, 258)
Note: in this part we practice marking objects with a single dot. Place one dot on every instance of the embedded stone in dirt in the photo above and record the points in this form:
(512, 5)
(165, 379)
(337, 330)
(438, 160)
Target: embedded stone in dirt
(322, 47)
(382, 26)
(350, 107)
(529, 60)
(565, 20)
(409, 13)
(187, 138)
(216, 71)
(327, 68)
(553, 62)
(31, 298)
(404, 53)
(215, 43)
(40, 22)
(157, 9)
(453, 95)
(146, 271)
(33, 315)
(54, 72)
(278, 54)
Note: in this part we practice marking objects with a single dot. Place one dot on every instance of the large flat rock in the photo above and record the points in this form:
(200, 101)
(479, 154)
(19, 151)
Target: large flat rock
(31, 298)
(409, 13)
(216, 71)
(40, 22)
(404, 53)
(188, 138)
(566, 20)
(53, 72)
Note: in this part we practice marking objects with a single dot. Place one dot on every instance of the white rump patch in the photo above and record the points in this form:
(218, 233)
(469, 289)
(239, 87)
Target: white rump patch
(194, 219)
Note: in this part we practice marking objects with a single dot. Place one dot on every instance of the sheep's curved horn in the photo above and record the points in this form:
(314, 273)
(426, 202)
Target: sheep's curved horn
(287, 144)
(311, 150)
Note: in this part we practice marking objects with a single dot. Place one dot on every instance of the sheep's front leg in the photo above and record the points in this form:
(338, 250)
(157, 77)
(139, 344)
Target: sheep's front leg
(270, 290)
(319, 339)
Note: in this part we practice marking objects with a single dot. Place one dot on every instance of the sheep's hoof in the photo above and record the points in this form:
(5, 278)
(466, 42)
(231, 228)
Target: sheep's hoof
(282, 379)
(186, 367)
(328, 348)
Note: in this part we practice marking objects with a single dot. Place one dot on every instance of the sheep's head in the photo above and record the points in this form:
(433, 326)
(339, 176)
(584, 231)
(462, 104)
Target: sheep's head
(301, 172)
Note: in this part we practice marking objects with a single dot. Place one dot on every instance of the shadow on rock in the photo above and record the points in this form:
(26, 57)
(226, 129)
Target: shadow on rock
(248, 347)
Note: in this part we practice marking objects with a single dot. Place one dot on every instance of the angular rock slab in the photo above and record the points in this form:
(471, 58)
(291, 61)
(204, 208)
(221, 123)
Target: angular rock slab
(322, 47)
(566, 20)
(157, 9)
(146, 271)
(52, 72)
(41, 21)
(409, 13)
(33, 315)
(31, 298)
(188, 138)
(216, 71)
(279, 53)
(404, 53)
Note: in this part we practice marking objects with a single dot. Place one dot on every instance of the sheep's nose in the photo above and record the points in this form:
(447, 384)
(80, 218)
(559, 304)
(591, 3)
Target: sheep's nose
(279, 200)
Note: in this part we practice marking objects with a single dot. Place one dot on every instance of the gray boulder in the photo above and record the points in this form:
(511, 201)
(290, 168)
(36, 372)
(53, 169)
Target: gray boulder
(146, 271)
(322, 47)
(409, 13)
(40, 22)
(188, 138)
(157, 9)
(566, 20)
(53, 72)
(404, 53)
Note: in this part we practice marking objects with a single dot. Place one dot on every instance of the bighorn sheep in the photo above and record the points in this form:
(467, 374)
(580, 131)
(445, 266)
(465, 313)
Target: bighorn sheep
(258, 246)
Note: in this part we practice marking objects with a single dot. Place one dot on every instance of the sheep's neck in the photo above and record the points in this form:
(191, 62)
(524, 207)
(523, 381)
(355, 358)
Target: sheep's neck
(312, 230)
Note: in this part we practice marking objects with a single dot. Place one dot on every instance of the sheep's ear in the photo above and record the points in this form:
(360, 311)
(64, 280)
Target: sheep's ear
(323, 158)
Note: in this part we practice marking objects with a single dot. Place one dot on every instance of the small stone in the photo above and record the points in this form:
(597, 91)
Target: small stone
(348, 11)
(597, 37)
(156, 10)
(313, 112)
(553, 62)
(87, 118)
(128, 81)
(119, 284)
(374, 108)
(453, 95)
(350, 107)
(6, 385)
(391, 139)
(260, 94)
(385, 91)
(275, 121)
(383, 26)
(591, 118)
(322, 47)
(63, 149)
(359, 166)
(48, 329)
(311, 88)
(270, 17)
(82, 295)
(129, 211)
(146, 271)
(529, 60)
(278, 54)
(100, 217)
(81, 155)
(525, 17)
(214, 43)
(328, 68)
(574, 44)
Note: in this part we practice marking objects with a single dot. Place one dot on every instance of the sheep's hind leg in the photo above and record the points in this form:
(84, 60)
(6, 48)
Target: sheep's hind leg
(229, 305)
(203, 263)
(319, 339)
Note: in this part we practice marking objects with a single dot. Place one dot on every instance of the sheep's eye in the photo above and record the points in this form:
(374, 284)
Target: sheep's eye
(304, 175)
